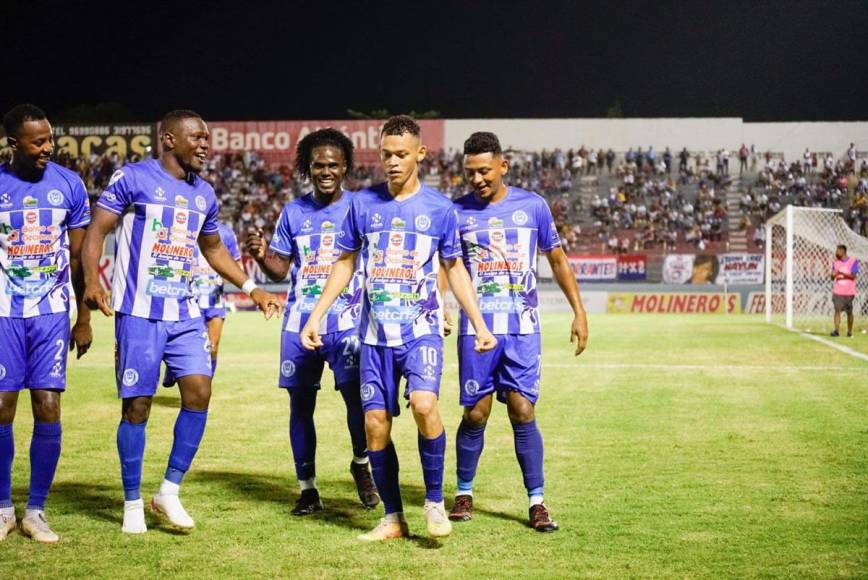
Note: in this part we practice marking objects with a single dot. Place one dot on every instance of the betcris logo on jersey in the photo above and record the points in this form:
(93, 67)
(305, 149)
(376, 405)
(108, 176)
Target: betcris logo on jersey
(495, 304)
(167, 289)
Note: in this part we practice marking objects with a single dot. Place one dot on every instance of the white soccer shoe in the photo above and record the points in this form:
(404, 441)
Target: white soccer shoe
(35, 527)
(386, 530)
(7, 525)
(439, 525)
(134, 517)
(169, 505)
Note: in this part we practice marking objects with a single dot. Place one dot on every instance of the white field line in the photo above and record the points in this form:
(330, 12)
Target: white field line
(835, 345)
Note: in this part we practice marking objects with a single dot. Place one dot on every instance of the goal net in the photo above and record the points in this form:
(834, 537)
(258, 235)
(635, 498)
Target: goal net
(800, 249)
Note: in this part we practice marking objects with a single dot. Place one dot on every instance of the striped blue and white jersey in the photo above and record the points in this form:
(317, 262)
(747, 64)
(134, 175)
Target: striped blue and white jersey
(207, 283)
(499, 243)
(156, 239)
(34, 242)
(400, 244)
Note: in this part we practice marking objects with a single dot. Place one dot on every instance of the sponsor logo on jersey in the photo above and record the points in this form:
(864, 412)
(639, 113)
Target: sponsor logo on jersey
(131, 377)
(55, 197)
(109, 196)
(287, 368)
(397, 239)
(200, 203)
(115, 177)
(376, 221)
(328, 241)
(306, 226)
(5, 199)
(180, 201)
(327, 227)
(30, 201)
(495, 222)
(519, 218)
(398, 223)
(497, 237)
(31, 217)
(181, 218)
(160, 194)
(165, 289)
(423, 222)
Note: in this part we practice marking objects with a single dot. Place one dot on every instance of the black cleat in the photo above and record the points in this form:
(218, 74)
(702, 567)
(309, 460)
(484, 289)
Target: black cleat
(462, 509)
(308, 503)
(540, 520)
(365, 485)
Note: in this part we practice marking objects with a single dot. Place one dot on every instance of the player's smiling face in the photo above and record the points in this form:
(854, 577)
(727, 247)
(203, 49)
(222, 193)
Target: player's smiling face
(484, 172)
(401, 155)
(327, 169)
(33, 147)
(190, 141)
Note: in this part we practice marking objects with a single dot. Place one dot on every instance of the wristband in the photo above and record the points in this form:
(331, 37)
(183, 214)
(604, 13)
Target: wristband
(249, 286)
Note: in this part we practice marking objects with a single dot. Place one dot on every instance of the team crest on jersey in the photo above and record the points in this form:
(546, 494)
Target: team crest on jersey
(160, 194)
(398, 223)
(519, 218)
(115, 177)
(200, 203)
(55, 197)
(131, 377)
(495, 222)
(423, 222)
(367, 392)
(2, 372)
(471, 387)
(306, 226)
(287, 368)
(180, 201)
(30, 201)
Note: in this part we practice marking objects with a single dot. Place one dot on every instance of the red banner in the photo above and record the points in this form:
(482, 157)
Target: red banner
(275, 141)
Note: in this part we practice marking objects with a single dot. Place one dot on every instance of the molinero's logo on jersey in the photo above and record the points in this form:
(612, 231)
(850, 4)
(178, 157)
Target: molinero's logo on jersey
(423, 222)
(367, 392)
(287, 368)
(471, 387)
(200, 203)
(131, 377)
(519, 218)
(55, 197)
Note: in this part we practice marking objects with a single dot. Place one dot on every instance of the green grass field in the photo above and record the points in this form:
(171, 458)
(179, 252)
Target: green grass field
(675, 447)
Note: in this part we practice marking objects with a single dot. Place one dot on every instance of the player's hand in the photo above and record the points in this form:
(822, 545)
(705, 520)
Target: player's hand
(448, 323)
(96, 297)
(255, 243)
(484, 341)
(579, 332)
(267, 302)
(310, 338)
(80, 338)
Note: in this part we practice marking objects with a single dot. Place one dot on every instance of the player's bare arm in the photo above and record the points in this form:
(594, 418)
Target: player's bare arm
(340, 275)
(102, 222)
(462, 288)
(216, 254)
(567, 281)
(274, 265)
(81, 334)
(443, 286)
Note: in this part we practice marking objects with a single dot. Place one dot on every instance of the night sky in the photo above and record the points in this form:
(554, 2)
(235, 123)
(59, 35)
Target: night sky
(764, 61)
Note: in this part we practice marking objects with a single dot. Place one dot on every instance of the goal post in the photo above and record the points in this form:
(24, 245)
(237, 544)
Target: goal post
(800, 249)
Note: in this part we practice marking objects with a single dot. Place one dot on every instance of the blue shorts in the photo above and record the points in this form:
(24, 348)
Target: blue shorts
(300, 367)
(33, 352)
(419, 361)
(513, 365)
(209, 313)
(141, 344)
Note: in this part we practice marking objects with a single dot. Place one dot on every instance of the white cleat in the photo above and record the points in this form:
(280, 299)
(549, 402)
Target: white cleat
(169, 505)
(7, 524)
(134, 517)
(439, 525)
(386, 530)
(35, 527)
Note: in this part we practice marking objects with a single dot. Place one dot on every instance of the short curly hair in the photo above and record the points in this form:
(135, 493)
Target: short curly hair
(20, 114)
(321, 138)
(482, 142)
(400, 124)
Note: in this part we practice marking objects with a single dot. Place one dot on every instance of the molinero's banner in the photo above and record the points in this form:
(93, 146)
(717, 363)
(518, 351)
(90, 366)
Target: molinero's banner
(275, 141)
(673, 303)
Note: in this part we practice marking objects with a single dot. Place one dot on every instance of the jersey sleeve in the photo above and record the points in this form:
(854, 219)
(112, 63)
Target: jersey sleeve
(547, 232)
(211, 225)
(118, 195)
(281, 243)
(231, 243)
(350, 237)
(79, 213)
(855, 269)
(449, 245)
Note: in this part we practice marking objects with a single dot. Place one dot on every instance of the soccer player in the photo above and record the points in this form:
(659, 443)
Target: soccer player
(404, 232)
(305, 240)
(162, 209)
(43, 213)
(501, 230)
(208, 292)
(844, 271)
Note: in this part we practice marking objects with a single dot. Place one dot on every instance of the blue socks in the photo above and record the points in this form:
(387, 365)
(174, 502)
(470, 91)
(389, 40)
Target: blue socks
(131, 450)
(44, 453)
(302, 432)
(468, 444)
(529, 452)
(384, 468)
(189, 428)
(432, 453)
(355, 418)
(7, 453)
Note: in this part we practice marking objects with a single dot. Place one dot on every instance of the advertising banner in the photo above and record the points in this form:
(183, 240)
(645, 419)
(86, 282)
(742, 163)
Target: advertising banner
(594, 268)
(673, 303)
(102, 139)
(631, 267)
(700, 269)
(741, 269)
